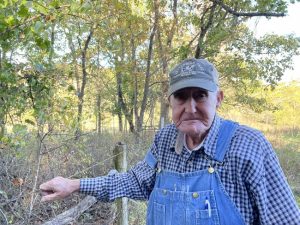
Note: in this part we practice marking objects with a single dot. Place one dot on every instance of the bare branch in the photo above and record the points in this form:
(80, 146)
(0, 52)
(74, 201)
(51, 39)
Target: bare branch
(247, 14)
(159, 82)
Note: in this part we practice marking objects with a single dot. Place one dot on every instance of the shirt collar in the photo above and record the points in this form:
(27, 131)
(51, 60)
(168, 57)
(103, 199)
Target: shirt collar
(194, 149)
(210, 141)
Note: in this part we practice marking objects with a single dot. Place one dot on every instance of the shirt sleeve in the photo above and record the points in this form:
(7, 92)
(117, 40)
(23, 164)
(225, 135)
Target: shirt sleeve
(137, 183)
(274, 198)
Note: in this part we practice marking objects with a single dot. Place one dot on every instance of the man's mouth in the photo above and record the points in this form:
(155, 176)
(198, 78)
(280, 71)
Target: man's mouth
(190, 119)
(186, 120)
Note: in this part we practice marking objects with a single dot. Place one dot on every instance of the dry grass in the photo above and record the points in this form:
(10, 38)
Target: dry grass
(91, 156)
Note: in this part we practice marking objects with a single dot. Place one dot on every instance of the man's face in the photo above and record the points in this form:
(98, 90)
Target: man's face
(193, 110)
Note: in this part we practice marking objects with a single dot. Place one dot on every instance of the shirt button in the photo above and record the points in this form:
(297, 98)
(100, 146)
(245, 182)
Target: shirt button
(165, 192)
(190, 163)
(195, 195)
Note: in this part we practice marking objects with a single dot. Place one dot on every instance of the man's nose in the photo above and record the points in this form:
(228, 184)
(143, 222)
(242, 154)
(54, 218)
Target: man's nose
(191, 105)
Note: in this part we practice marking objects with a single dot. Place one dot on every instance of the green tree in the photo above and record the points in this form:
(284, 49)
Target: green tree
(70, 45)
(287, 100)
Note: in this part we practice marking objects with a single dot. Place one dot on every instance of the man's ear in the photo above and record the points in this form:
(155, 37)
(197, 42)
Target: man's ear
(170, 99)
(220, 97)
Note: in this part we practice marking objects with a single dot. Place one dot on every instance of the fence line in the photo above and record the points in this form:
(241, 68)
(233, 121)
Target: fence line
(120, 164)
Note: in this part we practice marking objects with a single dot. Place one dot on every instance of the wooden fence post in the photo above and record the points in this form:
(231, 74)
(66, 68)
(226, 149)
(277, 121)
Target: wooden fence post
(120, 164)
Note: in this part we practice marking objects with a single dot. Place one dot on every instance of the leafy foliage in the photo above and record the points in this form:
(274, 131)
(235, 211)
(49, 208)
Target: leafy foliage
(45, 63)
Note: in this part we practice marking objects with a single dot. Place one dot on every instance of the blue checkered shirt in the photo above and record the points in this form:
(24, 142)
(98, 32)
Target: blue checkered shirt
(250, 173)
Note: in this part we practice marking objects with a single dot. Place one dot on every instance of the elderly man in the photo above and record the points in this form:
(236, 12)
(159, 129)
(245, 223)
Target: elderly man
(201, 169)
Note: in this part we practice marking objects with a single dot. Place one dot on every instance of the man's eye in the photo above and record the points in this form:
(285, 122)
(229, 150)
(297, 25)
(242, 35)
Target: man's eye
(180, 96)
(199, 96)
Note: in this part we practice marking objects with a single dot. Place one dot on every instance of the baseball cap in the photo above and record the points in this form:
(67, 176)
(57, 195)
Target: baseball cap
(193, 73)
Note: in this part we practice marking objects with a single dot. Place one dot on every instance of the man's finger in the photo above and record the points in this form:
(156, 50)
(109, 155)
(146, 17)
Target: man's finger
(44, 193)
(50, 197)
(46, 186)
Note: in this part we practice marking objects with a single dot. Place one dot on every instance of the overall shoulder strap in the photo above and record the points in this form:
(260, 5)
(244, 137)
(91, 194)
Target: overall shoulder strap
(226, 132)
(151, 160)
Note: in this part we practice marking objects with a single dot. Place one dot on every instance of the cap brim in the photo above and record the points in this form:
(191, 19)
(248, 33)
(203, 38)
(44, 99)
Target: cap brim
(204, 84)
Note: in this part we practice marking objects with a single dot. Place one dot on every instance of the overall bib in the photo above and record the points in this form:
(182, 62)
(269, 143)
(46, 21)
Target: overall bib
(193, 198)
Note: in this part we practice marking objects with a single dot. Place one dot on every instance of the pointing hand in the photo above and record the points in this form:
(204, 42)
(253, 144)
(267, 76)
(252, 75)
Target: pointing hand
(58, 188)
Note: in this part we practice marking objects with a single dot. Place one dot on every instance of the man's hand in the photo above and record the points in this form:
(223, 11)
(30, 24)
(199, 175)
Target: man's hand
(58, 188)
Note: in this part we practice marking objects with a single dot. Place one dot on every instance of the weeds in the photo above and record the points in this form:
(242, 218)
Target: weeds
(92, 156)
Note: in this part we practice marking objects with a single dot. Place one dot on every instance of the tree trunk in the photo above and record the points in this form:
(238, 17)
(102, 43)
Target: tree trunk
(2, 102)
(163, 52)
(50, 123)
(164, 112)
(2, 128)
(205, 25)
(121, 104)
(2, 116)
(134, 72)
(151, 114)
(83, 84)
(140, 119)
(98, 113)
(74, 61)
(120, 121)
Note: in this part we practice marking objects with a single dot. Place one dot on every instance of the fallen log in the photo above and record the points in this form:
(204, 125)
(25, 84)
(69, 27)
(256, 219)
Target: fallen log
(72, 214)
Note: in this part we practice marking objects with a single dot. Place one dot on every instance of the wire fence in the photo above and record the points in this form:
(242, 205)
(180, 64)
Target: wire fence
(60, 154)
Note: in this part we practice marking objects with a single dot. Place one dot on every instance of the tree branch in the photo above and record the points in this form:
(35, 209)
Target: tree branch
(32, 19)
(204, 28)
(83, 62)
(247, 14)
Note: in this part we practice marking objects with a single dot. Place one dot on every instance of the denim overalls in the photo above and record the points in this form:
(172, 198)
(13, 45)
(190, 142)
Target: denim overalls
(193, 198)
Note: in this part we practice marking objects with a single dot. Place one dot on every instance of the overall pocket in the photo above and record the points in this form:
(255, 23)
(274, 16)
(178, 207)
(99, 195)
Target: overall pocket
(201, 209)
(159, 211)
(199, 217)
